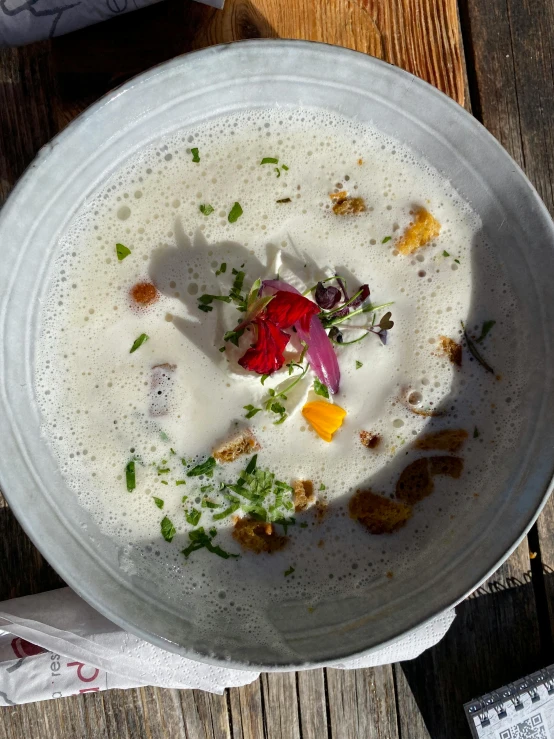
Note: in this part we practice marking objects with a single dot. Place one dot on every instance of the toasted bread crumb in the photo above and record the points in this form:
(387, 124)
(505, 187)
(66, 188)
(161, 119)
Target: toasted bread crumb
(144, 293)
(415, 482)
(258, 536)
(448, 440)
(379, 515)
(349, 206)
(420, 232)
(369, 439)
(243, 443)
(342, 195)
(451, 466)
(303, 494)
(390, 574)
(451, 349)
(360, 162)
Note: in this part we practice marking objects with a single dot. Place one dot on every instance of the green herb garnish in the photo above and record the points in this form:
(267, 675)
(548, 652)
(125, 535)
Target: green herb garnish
(323, 487)
(251, 411)
(193, 516)
(180, 482)
(278, 171)
(233, 336)
(121, 252)
(289, 571)
(283, 200)
(359, 364)
(284, 166)
(269, 160)
(222, 269)
(138, 342)
(235, 213)
(164, 482)
(457, 261)
(205, 468)
(159, 502)
(487, 325)
(475, 352)
(209, 504)
(200, 540)
(167, 529)
(303, 525)
(387, 238)
(320, 388)
(205, 209)
(163, 471)
(476, 433)
(195, 157)
(130, 476)
(234, 506)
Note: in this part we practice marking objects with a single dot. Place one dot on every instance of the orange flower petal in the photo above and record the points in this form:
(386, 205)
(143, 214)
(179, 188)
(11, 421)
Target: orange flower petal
(325, 418)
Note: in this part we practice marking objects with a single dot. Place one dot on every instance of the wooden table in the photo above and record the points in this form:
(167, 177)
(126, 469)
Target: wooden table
(497, 58)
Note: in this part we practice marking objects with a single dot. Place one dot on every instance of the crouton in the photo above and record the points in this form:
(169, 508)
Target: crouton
(415, 482)
(420, 232)
(144, 293)
(379, 515)
(369, 439)
(451, 466)
(342, 195)
(243, 443)
(258, 536)
(349, 206)
(303, 494)
(448, 440)
(451, 349)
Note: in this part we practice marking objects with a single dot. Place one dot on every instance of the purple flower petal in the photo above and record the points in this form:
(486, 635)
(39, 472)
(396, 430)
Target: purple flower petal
(327, 297)
(361, 297)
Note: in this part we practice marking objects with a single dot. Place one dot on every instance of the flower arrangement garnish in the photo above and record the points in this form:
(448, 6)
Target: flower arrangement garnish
(276, 314)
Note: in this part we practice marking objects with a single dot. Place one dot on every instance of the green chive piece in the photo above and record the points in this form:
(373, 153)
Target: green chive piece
(180, 482)
(130, 476)
(167, 529)
(387, 238)
(205, 209)
(195, 157)
(359, 364)
(269, 160)
(289, 571)
(121, 251)
(138, 342)
(205, 468)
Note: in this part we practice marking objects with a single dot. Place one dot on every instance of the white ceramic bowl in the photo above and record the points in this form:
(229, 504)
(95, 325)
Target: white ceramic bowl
(187, 91)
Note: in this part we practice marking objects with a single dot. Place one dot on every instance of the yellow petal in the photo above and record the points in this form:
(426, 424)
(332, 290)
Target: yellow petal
(325, 418)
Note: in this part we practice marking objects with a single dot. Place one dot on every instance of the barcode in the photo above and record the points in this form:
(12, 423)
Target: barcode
(531, 728)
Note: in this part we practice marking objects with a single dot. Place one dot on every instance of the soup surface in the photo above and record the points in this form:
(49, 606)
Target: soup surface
(146, 386)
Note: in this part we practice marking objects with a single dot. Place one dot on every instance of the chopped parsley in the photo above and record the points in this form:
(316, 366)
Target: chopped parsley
(167, 529)
(200, 540)
(195, 157)
(289, 571)
(163, 471)
(205, 301)
(233, 336)
(235, 213)
(180, 482)
(284, 166)
(457, 261)
(487, 325)
(475, 352)
(386, 239)
(130, 476)
(278, 171)
(222, 269)
(269, 160)
(121, 252)
(283, 200)
(233, 506)
(193, 516)
(323, 487)
(205, 468)
(259, 487)
(359, 364)
(320, 388)
(251, 411)
(445, 253)
(209, 504)
(164, 482)
(476, 433)
(138, 342)
(159, 502)
(205, 209)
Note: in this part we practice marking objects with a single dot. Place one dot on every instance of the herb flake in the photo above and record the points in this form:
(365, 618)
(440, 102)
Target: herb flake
(222, 269)
(475, 352)
(138, 342)
(289, 571)
(269, 160)
(205, 208)
(251, 411)
(130, 476)
(386, 239)
(235, 213)
(487, 325)
(200, 540)
(320, 388)
(193, 516)
(167, 528)
(195, 156)
(159, 502)
(122, 251)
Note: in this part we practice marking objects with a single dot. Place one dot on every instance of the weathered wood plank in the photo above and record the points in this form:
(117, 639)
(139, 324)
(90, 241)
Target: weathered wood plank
(362, 703)
(205, 715)
(246, 706)
(280, 705)
(494, 639)
(310, 685)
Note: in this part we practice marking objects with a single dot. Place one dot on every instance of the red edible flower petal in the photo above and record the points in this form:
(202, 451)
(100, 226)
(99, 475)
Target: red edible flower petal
(266, 356)
(287, 308)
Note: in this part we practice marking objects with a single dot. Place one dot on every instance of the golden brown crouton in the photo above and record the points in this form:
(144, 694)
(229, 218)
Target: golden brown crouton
(369, 439)
(448, 440)
(258, 536)
(342, 195)
(415, 482)
(451, 466)
(349, 206)
(451, 349)
(420, 232)
(379, 515)
(303, 494)
(144, 293)
(243, 443)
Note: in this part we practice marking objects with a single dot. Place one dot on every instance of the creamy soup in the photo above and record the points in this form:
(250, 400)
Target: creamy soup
(140, 384)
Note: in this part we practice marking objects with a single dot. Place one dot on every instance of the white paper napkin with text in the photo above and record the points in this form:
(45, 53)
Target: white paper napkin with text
(54, 645)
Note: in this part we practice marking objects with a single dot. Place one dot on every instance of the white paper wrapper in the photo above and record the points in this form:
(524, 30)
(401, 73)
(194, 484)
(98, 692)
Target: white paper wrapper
(24, 21)
(54, 645)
